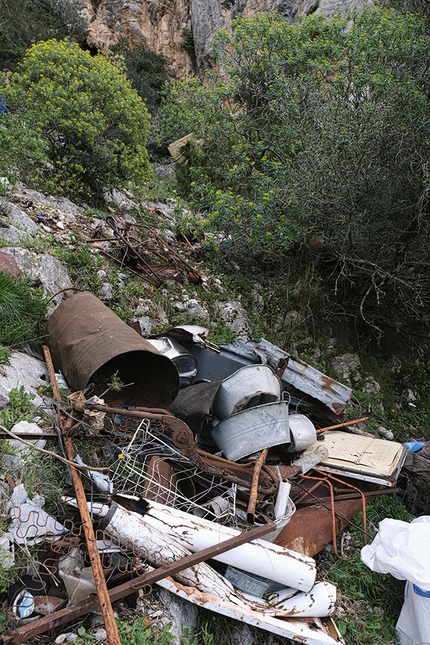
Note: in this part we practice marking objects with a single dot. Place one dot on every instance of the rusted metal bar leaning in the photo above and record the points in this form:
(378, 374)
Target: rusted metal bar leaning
(58, 618)
(342, 425)
(96, 565)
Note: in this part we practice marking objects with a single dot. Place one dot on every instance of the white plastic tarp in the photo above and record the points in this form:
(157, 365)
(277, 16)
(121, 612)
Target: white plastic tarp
(401, 549)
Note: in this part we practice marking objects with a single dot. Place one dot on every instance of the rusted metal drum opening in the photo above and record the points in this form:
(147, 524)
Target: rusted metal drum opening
(89, 343)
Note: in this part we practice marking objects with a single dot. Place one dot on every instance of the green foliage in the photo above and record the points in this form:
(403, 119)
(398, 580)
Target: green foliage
(138, 633)
(17, 161)
(309, 152)
(24, 22)
(20, 408)
(5, 354)
(94, 123)
(82, 265)
(21, 307)
(147, 72)
(188, 42)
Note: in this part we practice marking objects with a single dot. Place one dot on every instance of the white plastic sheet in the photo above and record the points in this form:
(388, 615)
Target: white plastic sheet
(401, 549)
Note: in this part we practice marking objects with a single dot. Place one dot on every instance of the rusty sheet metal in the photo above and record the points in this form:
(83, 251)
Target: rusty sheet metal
(310, 529)
(296, 372)
(90, 343)
(306, 378)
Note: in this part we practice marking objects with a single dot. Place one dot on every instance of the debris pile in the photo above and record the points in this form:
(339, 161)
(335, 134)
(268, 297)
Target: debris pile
(225, 471)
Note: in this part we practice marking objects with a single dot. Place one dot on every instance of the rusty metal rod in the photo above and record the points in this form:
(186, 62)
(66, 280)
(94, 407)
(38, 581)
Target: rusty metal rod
(96, 565)
(342, 425)
(146, 277)
(67, 614)
(254, 485)
(313, 501)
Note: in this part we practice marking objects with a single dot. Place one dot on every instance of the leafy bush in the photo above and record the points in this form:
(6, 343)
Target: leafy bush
(21, 408)
(18, 161)
(94, 123)
(24, 22)
(310, 150)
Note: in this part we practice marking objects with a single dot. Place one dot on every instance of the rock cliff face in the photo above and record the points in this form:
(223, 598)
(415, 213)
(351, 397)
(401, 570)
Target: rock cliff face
(168, 27)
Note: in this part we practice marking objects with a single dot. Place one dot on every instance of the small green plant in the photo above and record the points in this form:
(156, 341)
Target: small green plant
(5, 354)
(221, 334)
(21, 408)
(187, 638)
(139, 633)
(84, 637)
(115, 384)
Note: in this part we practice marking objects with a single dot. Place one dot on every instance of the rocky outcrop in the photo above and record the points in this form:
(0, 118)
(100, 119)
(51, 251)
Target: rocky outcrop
(174, 27)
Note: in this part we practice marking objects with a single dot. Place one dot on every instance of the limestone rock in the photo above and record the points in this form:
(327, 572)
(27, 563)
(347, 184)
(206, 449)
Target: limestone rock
(43, 269)
(26, 371)
(162, 26)
(348, 366)
(8, 265)
(233, 315)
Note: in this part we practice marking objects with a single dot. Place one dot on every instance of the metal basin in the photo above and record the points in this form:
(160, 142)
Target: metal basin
(248, 387)
(253, 430)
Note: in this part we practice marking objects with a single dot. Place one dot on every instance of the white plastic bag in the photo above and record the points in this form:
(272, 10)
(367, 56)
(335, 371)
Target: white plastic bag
(402, 549)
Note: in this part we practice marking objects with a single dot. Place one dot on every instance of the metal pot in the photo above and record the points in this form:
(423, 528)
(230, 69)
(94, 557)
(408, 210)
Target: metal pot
(248, 387)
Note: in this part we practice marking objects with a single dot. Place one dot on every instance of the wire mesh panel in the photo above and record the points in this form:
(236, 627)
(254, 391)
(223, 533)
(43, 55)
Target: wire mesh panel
(152, 467)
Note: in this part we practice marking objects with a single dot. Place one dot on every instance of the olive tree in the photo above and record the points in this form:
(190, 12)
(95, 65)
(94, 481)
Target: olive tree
(83, 106)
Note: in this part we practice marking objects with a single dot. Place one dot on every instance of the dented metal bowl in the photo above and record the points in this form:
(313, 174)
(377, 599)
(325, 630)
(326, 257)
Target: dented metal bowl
(252, 430)
(248, 387)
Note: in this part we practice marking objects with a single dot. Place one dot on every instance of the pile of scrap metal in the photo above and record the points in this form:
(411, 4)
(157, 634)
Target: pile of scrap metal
(225, 480)
(139, 249)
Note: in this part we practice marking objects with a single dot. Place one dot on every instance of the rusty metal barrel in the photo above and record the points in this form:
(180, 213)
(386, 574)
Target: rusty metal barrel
(89, 343)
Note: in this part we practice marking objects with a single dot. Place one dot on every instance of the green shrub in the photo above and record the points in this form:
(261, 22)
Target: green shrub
(309, 151)
(21, 408)
(84, 107)
(147, 72)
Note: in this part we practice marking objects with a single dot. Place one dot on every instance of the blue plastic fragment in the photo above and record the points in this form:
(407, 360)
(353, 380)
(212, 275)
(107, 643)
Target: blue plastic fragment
(414, 446)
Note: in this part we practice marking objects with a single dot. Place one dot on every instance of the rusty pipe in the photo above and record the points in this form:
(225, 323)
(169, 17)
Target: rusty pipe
(342, 425)
(96, 565)
(254, 486)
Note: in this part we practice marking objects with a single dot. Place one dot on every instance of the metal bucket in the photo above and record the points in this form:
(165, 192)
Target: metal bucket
(252, 430)
(303, 433)
(248, 387)
(90, 343)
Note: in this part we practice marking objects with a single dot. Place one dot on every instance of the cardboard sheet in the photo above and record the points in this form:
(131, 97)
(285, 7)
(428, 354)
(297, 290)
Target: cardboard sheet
(362, 457)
